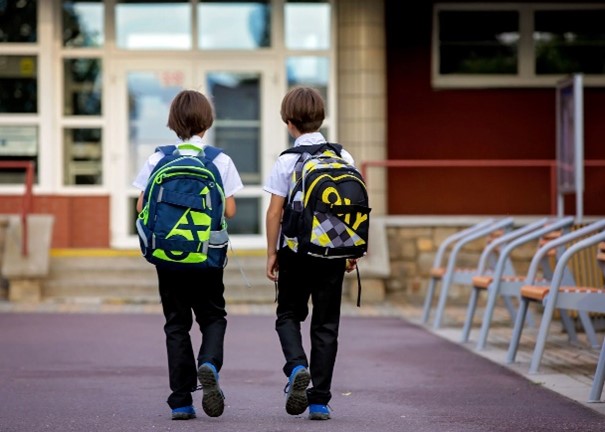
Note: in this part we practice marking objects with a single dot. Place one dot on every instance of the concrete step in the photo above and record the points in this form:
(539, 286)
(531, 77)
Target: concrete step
(108, 276)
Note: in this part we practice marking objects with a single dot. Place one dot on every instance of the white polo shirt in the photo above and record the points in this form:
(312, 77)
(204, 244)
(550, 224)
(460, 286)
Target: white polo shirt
(232, 181)
(278, 182)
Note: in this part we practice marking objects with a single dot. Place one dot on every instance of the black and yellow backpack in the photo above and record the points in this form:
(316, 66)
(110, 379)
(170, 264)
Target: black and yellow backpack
(326, 213)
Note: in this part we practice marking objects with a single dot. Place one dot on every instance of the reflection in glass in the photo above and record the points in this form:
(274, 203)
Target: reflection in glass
(18, 84)
(478, 42)
(236, 98)
(83, 23)
(568, 41)
(234, 25)
(307, 24)
(309, 71)
(17, 143)
(82, 86)
(149, 97)
(247, 220)
(18, 21)
(153, 24)
(82, 156)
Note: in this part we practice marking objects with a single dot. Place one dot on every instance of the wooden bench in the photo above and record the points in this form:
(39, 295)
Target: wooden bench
(563, 296)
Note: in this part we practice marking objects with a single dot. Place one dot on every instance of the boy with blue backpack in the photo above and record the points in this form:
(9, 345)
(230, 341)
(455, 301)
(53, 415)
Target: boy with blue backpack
(187, 192)
(317, 227)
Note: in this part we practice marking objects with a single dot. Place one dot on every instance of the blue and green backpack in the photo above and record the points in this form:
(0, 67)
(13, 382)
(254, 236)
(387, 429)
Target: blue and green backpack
(182, 224)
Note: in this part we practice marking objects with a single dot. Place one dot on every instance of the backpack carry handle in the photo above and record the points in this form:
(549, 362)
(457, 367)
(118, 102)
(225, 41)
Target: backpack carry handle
(207, 152)
(314, 149)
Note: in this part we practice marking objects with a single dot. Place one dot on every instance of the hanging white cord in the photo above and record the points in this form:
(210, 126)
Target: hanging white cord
(239, 264)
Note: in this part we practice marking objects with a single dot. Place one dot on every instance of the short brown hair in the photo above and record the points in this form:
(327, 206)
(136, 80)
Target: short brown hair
(190, 114)
(304, 108)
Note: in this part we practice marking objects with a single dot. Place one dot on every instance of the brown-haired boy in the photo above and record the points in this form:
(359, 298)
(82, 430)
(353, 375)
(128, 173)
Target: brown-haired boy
(200, 291)
(300, 277)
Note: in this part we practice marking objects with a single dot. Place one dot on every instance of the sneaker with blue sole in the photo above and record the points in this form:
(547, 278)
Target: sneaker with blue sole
(183, 413)
(213, 399)
(319, 412)
(296, 391)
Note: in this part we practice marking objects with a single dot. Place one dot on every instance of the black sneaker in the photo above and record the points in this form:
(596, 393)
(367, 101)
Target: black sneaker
(213, 400)
(296, 391)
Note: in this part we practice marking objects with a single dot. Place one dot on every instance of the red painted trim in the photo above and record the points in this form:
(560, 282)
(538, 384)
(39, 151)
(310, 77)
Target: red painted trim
(28, 166)
(481, 163)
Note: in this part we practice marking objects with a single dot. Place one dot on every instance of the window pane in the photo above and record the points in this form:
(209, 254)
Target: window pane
(18, 84)
(17, 143)
(153, 25)
(307, 24)
(83, 23)
(234, 25)
(236, 128)
(82, 86)
(309, 71)
(18, 21)
(149, 97)
(478, 42)
(570, 41)
(82, 156)
(247, 220)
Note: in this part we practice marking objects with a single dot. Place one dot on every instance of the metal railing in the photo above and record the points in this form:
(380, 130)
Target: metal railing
(26, 208)
(481, 163)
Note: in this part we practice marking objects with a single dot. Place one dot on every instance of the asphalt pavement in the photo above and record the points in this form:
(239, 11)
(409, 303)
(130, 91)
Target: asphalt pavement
(107, 372)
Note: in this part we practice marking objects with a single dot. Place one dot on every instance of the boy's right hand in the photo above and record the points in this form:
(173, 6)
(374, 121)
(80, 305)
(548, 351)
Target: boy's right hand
(351, 265)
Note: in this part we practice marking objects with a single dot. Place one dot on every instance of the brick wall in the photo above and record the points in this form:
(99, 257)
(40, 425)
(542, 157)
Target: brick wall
(80, 221)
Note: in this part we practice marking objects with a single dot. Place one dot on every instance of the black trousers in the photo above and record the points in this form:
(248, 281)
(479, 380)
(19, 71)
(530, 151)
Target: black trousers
(301, 278)
(181, 293)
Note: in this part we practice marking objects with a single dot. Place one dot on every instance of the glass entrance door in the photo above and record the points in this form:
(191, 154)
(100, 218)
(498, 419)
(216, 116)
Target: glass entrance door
(246, 110)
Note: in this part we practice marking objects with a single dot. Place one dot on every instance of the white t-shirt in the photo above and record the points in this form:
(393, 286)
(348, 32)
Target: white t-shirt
(232, 181)
(278, 181)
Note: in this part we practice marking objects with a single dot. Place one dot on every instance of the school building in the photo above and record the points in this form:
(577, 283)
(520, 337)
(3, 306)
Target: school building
(435, 88)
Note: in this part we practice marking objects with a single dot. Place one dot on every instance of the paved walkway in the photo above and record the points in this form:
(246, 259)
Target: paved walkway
(102, 368)
(566, 368)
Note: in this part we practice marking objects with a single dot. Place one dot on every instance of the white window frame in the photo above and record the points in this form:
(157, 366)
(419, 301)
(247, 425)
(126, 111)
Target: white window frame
(41, 119)
(51, 120)
(526, 76)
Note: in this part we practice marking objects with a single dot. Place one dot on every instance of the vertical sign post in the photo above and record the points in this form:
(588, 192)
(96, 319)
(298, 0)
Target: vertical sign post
(570, 143)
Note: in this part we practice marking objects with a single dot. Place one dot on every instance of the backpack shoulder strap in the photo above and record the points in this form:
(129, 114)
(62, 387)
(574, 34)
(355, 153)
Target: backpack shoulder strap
(212, 152)
(313, 149)
(167, 149)
(337, 148)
